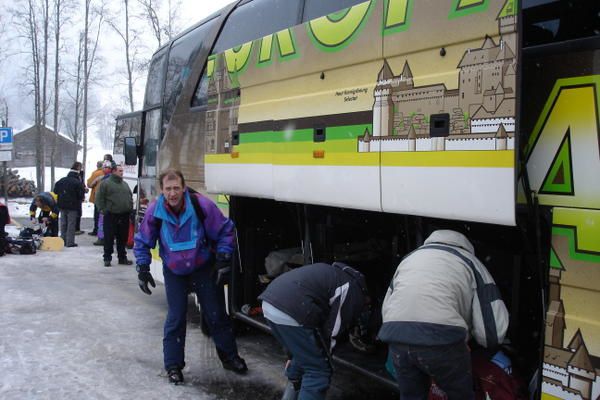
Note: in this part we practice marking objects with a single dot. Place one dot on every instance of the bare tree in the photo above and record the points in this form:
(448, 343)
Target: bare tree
(3, 112)
(71, 112)
(2, 38)
(58, 11)
(106, 125)
(86, 77)
(28, 21)
(173, 18)
(89, 56)
(163, 26)
(151, 9)
(32, 19)
(129, 38)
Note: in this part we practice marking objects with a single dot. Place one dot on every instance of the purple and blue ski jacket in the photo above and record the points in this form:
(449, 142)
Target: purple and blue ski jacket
(186, 243)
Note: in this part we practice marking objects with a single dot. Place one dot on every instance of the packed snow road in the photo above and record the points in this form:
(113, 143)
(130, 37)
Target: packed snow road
(71, 328)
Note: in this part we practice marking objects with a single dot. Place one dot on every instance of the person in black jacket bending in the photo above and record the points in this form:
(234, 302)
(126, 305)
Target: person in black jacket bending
(70, 194)
(307, 308)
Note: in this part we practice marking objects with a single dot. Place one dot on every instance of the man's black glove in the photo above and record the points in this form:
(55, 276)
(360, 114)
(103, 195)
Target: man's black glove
(222, 268)
(145, 278)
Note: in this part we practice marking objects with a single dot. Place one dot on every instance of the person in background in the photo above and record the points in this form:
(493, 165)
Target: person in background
(108, 157)
(93, 184)
(307, 309)
(107, 167)
(439, 294)
(115, 202)
(70, 192)
(195, 242)
(4, 220)
(77, 166)
(49, 211)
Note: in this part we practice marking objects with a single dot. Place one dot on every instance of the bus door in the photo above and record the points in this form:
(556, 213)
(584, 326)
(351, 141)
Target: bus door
(447, 93)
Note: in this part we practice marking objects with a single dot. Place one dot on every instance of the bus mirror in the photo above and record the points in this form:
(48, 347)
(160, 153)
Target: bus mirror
(130, 151)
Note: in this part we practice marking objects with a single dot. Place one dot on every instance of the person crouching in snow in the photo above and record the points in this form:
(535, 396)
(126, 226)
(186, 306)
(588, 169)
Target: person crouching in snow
(47, 202)
(307, 308)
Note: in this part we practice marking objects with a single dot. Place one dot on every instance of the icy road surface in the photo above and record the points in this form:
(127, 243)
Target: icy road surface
(73, 329)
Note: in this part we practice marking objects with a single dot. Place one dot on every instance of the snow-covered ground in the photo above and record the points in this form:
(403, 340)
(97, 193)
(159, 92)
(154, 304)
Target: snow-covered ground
(19, 207)
(72, 329)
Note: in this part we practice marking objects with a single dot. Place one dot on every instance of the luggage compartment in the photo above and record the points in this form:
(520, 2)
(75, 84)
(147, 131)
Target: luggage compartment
(375, 243)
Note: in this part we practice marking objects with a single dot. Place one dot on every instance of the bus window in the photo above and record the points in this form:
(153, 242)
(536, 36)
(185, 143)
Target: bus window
(182, 55)
(136, 126)
(318, 8)
(256, 19)
(121, 130)
(201, 96)
(551, 21)
(155, 80)
(151, 142)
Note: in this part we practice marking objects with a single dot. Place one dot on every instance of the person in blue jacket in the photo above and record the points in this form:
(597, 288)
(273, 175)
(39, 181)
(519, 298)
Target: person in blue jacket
(195, 244)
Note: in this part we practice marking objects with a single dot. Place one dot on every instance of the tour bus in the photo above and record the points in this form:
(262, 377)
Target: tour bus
(346, 130)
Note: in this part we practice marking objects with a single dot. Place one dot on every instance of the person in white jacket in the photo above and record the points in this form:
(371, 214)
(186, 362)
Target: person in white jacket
(439, 297)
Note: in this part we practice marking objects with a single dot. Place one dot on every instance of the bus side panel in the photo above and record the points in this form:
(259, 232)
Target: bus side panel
(448, 92)
(342, 120)
(563, 160)
(306, 96)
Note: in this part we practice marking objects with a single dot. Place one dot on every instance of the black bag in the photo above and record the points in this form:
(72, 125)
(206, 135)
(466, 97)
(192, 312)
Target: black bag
(28, 233)
(21, 246)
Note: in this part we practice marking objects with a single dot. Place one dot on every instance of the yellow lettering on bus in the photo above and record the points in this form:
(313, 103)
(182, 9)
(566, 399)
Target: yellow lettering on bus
(285, 44)
(210, 65)
(237, 58)
(396, 15)
(461, 8)
(335, 31)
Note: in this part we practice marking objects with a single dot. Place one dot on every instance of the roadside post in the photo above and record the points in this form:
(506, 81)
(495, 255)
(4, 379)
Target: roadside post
(6, 149)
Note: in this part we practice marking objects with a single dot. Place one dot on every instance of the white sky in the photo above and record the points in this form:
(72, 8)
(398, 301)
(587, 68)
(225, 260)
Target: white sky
(110, 91)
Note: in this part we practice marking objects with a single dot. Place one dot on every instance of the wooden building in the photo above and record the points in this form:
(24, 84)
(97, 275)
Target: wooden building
(24, 145)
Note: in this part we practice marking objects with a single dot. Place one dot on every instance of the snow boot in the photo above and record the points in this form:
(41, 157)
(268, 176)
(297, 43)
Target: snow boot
(236, 364)
(175, 376)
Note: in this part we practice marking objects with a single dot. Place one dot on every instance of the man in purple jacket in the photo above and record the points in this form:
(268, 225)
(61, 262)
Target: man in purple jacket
(196, 242)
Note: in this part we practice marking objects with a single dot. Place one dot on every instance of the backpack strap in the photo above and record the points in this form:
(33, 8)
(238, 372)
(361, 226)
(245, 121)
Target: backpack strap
(487, 293)
(196, 204)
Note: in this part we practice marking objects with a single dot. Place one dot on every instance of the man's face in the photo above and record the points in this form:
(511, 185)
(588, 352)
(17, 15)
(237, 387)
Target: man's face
(118, 171)
(173, 191)
(38, 203)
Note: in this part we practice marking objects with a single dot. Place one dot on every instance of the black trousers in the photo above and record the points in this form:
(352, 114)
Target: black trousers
(116, 226)
(79, 214)
(52, 229)
(2, 239)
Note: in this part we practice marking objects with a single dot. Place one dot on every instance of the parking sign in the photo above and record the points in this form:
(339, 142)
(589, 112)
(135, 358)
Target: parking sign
(6, 139)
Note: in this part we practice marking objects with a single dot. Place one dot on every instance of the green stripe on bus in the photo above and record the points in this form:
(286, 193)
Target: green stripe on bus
(305, 135)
